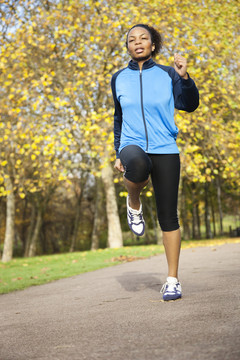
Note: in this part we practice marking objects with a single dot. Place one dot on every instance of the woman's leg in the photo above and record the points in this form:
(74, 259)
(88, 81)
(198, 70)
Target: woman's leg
(137, 169)
(134, 191)
(165, 178)
(172, 245)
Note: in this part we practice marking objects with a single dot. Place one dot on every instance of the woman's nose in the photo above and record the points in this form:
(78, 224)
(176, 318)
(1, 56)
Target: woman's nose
(138, 41)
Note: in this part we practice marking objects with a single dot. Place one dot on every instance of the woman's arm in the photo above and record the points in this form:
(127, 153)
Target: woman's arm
(186, 95)
(117, 116)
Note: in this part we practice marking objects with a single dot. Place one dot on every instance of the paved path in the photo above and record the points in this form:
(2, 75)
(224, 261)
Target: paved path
(117, 313)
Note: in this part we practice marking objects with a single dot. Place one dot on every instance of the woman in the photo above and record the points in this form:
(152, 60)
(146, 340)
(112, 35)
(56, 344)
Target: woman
(145, 95)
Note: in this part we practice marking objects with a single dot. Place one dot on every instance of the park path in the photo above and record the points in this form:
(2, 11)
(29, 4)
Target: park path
(117, 313)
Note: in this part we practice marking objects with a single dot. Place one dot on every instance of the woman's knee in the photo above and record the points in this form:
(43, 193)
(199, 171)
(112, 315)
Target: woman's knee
(136, 163)
(170, 223)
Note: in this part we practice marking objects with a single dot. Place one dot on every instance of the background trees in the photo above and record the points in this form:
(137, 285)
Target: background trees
(56, 140)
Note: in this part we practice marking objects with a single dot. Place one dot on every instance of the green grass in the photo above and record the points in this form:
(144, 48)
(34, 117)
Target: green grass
(21, 273)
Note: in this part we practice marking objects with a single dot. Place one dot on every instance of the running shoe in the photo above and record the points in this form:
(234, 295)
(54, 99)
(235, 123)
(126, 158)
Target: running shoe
(172, 289)
(135, 220)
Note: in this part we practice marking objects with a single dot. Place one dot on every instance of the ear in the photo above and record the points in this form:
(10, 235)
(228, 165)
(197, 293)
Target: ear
(153, 47)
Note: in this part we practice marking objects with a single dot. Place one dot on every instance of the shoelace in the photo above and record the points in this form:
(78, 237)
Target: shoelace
(171, 287)
(136, 217)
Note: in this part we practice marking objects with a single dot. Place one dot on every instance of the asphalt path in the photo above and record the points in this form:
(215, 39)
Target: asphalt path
(117, 313)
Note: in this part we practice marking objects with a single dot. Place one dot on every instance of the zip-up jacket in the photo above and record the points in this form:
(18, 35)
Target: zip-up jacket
(144, 106)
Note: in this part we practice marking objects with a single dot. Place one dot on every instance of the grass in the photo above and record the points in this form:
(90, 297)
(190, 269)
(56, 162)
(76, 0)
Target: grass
(21, 273)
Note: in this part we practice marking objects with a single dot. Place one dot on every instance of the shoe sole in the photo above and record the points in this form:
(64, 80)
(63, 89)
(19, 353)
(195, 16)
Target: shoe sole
(173, 299)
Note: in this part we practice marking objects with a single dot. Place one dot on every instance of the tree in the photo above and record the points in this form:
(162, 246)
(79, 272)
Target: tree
(56, 62)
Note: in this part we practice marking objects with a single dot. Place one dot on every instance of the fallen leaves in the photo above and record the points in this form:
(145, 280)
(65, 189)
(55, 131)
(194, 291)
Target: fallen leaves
(126, 258)
(16, 279)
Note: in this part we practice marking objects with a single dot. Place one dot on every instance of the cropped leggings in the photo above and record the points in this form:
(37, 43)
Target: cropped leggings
(165, 172)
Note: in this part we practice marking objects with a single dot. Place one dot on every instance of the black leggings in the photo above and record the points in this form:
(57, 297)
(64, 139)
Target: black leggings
(165, 173)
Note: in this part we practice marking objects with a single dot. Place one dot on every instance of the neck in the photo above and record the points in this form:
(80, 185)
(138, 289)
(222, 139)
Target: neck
(141, 62)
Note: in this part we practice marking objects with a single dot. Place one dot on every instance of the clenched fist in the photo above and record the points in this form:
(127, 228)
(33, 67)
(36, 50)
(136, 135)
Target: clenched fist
(180, 65)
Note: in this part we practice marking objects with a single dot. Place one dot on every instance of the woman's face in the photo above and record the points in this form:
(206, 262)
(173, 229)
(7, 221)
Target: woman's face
(139, 43)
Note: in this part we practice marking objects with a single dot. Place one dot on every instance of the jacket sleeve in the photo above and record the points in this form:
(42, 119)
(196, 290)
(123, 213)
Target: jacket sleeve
(117, 116)
(185, 92)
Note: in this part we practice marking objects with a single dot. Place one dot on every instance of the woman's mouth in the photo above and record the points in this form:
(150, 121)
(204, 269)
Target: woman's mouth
(139, 50)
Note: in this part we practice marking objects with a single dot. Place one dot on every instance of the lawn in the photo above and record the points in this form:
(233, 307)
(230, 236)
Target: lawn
(21, 273)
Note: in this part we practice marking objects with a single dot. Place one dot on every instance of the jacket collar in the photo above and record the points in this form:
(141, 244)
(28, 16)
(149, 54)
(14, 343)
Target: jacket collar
(133, 65)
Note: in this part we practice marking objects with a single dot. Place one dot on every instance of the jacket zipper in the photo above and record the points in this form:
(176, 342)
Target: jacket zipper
(143, 116)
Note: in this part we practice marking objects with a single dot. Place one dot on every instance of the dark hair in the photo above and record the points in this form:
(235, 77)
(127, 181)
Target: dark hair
(155, 37)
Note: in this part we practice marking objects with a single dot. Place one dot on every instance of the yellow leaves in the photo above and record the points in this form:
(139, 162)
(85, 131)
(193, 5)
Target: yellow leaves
(8, 83)
(33, 189)
(41, 38)
(123, 194)
(67, 56)
(48, 175)
(61, 177)
(81, 64)
(60, 103)
(64, 140)
(35, 105)
(74, 70)
(76, 118)
(149, 194)
(4, 163)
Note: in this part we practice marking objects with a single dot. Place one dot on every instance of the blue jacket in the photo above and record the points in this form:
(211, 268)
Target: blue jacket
(144, 106)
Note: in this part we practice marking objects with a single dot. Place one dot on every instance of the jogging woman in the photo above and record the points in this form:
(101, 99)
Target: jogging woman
(145, 95)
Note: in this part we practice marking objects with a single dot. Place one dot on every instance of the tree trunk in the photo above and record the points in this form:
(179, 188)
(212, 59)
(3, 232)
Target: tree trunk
(159, 234)
(198, 222)
(194, 221)
(10, 219)
(76, 223)
(219, 205)
(79, 193)
(195, 214)
(207, 215)
(114, 228)
(33, 245)
(154, 223)
(158, 239)
(41, 205)
(30, 230)
(96, 220)
(213, 217)
(2, 217)
(184, 211)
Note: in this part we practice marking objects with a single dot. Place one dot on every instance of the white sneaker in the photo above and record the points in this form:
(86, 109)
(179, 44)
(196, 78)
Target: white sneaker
(172, 289)
(135, 220)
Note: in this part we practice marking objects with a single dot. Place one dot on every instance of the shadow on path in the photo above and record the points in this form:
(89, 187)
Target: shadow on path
(136, 281)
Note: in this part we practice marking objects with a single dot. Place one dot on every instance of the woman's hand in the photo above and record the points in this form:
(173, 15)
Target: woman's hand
(118, 165)
(180, 65)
